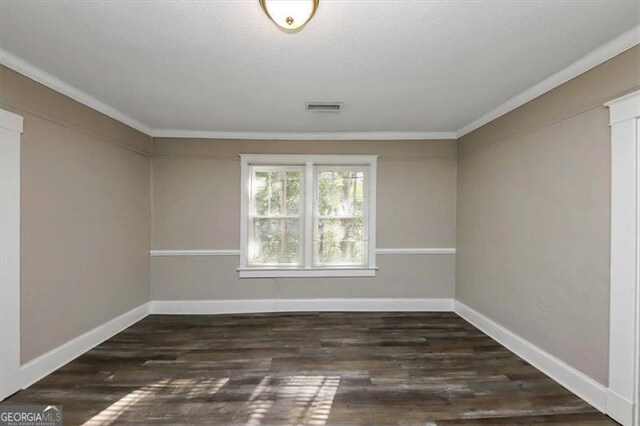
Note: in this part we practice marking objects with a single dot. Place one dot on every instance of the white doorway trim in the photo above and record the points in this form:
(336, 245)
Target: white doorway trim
(624, 338)
(10, 131)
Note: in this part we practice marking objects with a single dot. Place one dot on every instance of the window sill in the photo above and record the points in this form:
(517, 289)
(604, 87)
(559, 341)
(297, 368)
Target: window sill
(309, 272)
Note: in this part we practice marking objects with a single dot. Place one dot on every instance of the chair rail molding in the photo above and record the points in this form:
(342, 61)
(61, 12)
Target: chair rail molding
(217, 252)
(236, 252)
(10, 133)
(624, 317)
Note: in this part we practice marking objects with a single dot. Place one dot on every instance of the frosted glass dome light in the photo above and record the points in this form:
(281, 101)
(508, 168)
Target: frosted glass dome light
(290, 14)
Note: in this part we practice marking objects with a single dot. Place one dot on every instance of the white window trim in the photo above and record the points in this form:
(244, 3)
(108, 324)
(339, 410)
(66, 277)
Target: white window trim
(309, 162)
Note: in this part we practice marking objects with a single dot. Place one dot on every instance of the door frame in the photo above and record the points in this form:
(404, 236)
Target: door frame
(10, 133)
(624, 313)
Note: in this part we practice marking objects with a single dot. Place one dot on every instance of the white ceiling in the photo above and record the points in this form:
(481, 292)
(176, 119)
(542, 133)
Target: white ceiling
(398, 66)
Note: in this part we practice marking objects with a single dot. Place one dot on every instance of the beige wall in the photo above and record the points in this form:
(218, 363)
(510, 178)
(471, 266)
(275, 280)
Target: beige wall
(532, 192)
(196, 205)
(533, 217)
(85, 230)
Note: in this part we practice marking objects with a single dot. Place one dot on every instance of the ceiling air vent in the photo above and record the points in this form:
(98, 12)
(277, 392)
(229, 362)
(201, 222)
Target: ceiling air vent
(324, 106)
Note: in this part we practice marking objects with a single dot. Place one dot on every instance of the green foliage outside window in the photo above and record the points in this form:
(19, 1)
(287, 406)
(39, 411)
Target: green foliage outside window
(277, 216)
(276, 224)
(340, 232)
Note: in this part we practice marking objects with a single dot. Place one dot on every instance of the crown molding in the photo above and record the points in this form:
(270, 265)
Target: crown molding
(27, 69)
(311, 136)
(31, 71)
(603, 53)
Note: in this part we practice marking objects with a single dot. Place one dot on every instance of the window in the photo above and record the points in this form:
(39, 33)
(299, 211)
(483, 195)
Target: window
(308, 215)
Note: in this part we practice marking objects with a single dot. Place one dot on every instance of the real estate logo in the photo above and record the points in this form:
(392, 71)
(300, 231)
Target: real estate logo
(30, 415)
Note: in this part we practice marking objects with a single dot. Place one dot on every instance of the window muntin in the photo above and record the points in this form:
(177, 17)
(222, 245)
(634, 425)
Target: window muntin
(340, 219)
(276, 216)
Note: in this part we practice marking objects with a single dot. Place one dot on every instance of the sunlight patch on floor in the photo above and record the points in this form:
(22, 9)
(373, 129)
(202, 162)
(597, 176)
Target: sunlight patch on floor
(186, 388)
(292, 400)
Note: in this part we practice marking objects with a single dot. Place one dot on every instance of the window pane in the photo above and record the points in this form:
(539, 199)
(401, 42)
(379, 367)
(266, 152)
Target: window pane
(340, 218)
(276, 194)
(340, 242)
(275, 241)
(341, 193)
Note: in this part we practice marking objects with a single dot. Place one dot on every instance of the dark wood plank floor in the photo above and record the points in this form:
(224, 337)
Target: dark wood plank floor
(306, 368)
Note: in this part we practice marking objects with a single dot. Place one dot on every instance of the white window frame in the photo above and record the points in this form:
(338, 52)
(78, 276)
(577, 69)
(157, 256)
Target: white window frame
(309, 162)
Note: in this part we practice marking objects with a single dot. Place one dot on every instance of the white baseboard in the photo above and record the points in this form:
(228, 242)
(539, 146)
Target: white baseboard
(297, 305)
(583, 386)
(45, 364)
(204, 307)
(619, 408)
(586, 388)
(389, 305)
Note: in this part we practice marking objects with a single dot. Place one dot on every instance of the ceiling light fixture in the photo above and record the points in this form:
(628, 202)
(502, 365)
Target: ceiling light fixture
(290, 14)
